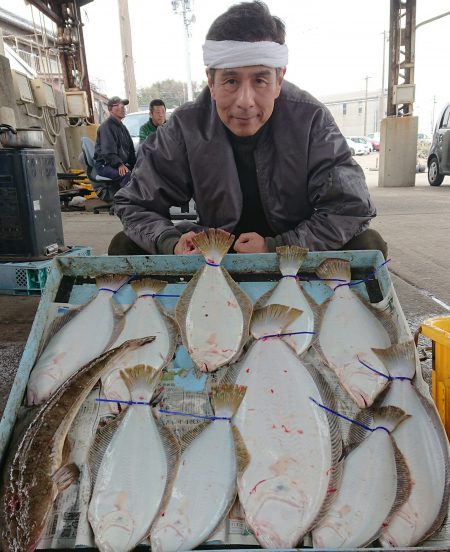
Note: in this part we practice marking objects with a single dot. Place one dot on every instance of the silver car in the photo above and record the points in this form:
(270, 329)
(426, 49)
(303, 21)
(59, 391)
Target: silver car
(439, 155)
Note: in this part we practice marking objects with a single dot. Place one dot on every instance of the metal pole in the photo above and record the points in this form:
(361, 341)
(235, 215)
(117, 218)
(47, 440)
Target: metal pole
(127, 55)
(381, 108)
(365, 107)
(188, 19)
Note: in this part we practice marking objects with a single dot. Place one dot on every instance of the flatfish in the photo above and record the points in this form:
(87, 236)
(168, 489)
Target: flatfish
(83, 334)
(144, 317)
(348, 329)
(204, 488)
(294, 446)
(36, 471)
(213, 312)
(135, 468)
(423, 443)
(377, 471)
(289, 292)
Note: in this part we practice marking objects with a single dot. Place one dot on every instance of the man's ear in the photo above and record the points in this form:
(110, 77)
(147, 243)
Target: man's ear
(281, 74)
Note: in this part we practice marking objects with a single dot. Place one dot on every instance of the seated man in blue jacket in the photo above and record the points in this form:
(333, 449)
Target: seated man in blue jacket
(114, 154)
(262, 158)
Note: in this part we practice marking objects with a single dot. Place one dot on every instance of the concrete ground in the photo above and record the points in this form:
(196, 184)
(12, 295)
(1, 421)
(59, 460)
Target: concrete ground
(414, 221)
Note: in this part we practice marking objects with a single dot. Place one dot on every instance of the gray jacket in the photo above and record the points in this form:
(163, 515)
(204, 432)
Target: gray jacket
(312, 191)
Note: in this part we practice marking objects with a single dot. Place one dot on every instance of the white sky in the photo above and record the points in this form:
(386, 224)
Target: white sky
(333, 45)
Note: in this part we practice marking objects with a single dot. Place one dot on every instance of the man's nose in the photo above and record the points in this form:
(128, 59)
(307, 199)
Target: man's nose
(246, 96)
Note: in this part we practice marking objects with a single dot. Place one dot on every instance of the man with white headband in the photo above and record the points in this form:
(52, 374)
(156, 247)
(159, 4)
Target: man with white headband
(261, 158)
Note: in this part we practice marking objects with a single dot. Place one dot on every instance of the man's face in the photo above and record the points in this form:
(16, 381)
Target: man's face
(158, 115)
(118, 111)
(245, 96)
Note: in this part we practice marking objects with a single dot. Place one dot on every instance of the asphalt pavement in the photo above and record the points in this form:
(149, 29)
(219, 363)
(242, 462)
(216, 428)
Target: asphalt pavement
(414, 221)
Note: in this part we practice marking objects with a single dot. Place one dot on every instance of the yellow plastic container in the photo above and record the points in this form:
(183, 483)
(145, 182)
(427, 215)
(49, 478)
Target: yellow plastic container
(438, 330)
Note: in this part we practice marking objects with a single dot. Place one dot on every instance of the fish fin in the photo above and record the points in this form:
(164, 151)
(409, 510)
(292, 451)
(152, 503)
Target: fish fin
(242, 454)
(65, 476)
(389, 417)
(148, 285)
(357, 433)
(111, 281)
(67, 449)
(213, 244)
(399, 359)
(404, 482)
(290, 258)
(189, 436)
(246, 305)
(141, 381)
(226, 399)
(100, 443)
(59, 322)
(384, 317)
(272, 319)
(332, 268)
(182, 306)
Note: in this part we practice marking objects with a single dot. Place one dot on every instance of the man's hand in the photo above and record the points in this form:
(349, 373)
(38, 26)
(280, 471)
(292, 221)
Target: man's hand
(123, 169)
(185, 245)
(250, 242)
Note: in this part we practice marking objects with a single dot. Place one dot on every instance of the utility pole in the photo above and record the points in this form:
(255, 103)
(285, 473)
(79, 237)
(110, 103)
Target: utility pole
(184, 8)
(365, 106)
(127, 55)
(432, 116)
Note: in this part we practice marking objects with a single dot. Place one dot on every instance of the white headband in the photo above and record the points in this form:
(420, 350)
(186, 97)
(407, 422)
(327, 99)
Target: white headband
(226, 54)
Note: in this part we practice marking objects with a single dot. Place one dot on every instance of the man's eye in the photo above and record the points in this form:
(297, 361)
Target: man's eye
(230, 82)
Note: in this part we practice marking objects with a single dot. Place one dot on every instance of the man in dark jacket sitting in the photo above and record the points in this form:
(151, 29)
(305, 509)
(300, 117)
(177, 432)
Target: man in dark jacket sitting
(261, 158)
(114, 150)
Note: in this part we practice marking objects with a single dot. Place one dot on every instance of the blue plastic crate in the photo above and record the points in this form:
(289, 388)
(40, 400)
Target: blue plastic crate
(29, 278)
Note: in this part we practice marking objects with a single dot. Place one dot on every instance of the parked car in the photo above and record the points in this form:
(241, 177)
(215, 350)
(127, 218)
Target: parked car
(423, 138)
(374, 137)
(364, 141)
(439, 155)
(134, 121)
(356, 148)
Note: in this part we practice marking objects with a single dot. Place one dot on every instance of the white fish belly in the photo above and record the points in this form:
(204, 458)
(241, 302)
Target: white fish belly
(214, 321)
(349, 330)
(78, 342)
(144, 320)
(418, 441)
(365, 496)
(203, 491)
(288, 438)
(130, 483)
(288, 293)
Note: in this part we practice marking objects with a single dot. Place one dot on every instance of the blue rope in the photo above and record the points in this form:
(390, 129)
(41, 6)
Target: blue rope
(211, 264)
(285, 334)
(390, 378)
(290, 276)
(359, 424)
(127, 281)
(157, 295)
(366, 279)
(163, 411)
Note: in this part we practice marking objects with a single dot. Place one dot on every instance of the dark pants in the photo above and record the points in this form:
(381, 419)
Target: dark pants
(369, 239)
(110, 172)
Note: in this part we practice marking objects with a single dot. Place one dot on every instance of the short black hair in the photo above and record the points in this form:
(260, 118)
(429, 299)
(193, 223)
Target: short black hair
(156, 102)
(248, 22)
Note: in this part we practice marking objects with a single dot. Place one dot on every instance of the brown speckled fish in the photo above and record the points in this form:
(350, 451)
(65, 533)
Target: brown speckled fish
(213, 312)
(36, 472)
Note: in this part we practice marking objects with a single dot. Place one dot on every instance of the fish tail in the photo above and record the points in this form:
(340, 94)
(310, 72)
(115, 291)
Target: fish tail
(399, 359)
(290, 258)
(389, 417)
(111, 281)
(213, 244)
(334, 269)
(141, 381)
(148, 285)
(242, 454)
(272, 319)
(226, 398)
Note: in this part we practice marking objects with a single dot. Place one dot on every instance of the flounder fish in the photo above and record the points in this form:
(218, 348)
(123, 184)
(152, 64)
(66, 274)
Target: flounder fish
(35, 472)
(144, 317)
(289, 292)
(205, 485)
(213, 312)
(348, 329)
(294, 446)
(375, 484)
(133, 471)
(424, 445)
(85, 333)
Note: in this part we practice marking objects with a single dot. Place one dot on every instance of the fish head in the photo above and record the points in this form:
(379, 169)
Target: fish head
(27, 508)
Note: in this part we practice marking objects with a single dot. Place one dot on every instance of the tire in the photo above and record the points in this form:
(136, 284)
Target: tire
(435, 178)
